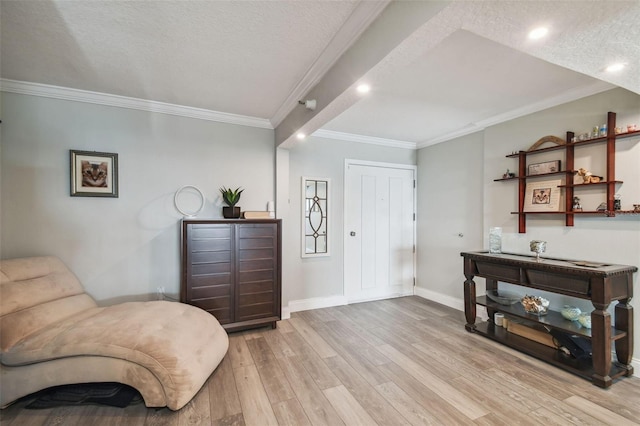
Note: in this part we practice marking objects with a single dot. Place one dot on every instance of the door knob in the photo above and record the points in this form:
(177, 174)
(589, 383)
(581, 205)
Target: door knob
(352, 233)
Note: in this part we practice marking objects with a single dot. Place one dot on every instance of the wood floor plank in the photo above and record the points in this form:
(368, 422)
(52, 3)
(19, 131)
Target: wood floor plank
(408, 407)
(256, 407)
(235, 420)
(435, 355)
(424, 396)
(260, 350)
(318, 344)
(503, 401)
(545, 416)
(360, 316)
(434, 307)
(239, 352)
(348, 407)
(377, 406)
(16, 414)
(407, 305)
(492, 419)
(353, 356)
(314, 365)
(290, 413)
(320, 315)
(316, 406)
(223, 394)
(132, 415)
(347, 322)
(458, 400)
(358, 344)
(602, 414)
(285, 326)
(273, 379)
(407, 315)
(405, 346)
(162, 417)
(279, 346)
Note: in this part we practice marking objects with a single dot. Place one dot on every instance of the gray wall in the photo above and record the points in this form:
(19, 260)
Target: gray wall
(450, 217)
(126, 247)
(322, 277)
(456, 193)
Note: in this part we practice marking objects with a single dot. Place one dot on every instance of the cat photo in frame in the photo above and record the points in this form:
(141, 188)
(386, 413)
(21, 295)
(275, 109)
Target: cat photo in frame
(94, 174)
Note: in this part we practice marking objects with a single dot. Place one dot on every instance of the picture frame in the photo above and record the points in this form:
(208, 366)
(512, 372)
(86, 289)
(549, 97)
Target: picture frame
(543, 196)
(93, 174)
(543, 168)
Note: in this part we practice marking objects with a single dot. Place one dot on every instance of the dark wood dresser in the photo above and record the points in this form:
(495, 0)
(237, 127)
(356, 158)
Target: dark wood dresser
(232, 269)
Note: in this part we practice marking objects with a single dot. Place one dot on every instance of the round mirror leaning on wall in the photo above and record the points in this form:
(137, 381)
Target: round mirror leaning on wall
(189, 200)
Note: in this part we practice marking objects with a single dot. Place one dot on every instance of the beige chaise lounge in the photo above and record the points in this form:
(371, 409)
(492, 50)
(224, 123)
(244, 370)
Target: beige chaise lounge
(53, 333)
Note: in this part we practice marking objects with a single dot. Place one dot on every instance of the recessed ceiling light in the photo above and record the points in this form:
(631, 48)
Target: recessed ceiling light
(301, 136)
(538, 33)
(615, 67)
(363, 88)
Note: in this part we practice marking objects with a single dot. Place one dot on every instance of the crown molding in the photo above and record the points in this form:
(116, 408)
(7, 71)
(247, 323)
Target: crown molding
(359, 20)
(351, 137)
(65, 93)
(562, 98)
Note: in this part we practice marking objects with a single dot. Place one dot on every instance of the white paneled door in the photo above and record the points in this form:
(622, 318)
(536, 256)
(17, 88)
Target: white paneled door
(379, 231)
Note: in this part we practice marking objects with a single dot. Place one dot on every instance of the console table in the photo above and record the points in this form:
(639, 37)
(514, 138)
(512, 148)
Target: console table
(601, 285)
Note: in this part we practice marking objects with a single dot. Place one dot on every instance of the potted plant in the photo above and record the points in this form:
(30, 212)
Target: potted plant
(231, 198)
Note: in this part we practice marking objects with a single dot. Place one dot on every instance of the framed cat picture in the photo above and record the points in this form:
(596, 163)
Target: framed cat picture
(94, 174)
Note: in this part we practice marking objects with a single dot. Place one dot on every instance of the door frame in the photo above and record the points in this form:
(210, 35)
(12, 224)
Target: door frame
(353, 162)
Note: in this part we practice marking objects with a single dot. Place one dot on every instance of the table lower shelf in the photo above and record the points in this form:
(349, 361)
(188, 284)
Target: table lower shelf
(544, 353)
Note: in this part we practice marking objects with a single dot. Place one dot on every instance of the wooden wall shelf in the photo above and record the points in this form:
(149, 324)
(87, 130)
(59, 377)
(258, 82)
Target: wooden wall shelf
(609, 184)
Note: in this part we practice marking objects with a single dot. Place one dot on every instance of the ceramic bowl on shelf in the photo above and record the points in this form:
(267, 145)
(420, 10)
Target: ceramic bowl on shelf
(570, 313)
(585, 320)
(503, 297)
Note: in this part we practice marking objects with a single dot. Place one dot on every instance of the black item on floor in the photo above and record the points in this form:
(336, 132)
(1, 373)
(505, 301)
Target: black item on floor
(112, 394)
(578, 346)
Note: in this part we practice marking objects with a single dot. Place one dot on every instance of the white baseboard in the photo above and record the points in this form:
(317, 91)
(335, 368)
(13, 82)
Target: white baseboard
(452, 302)
(313, 303)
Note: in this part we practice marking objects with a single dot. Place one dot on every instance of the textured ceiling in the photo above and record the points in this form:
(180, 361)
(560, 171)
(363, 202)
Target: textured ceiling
(236, 57)
(473, 65)
(463, 80)
(469, 64)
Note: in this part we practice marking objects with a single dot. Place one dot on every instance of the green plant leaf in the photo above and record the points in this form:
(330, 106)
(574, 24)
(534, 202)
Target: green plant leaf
(231, 196)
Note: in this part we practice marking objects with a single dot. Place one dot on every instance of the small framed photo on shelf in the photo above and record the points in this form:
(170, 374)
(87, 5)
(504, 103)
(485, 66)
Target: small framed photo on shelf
(542, 196)
(94, 174)
(543, 168)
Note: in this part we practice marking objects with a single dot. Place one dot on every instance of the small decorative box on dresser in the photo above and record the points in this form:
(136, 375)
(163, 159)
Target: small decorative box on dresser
(232, 269)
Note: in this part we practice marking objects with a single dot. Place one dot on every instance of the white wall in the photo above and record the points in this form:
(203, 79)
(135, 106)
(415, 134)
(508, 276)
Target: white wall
(320, 280)
(472, 171)
(126, 247)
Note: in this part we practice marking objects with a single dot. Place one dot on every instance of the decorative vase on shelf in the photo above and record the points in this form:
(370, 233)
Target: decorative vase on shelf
(231, 198)
(570, 313)
(585, 320)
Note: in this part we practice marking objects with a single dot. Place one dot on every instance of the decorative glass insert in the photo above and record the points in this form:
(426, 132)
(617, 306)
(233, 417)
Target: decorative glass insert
(315, 197)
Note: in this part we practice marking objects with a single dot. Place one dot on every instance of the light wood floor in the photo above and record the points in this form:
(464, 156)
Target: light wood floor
(392, 362)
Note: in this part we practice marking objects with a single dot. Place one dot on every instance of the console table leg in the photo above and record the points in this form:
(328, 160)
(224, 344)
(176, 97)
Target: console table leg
(624, 346)
(470, 303)
(601, 346)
